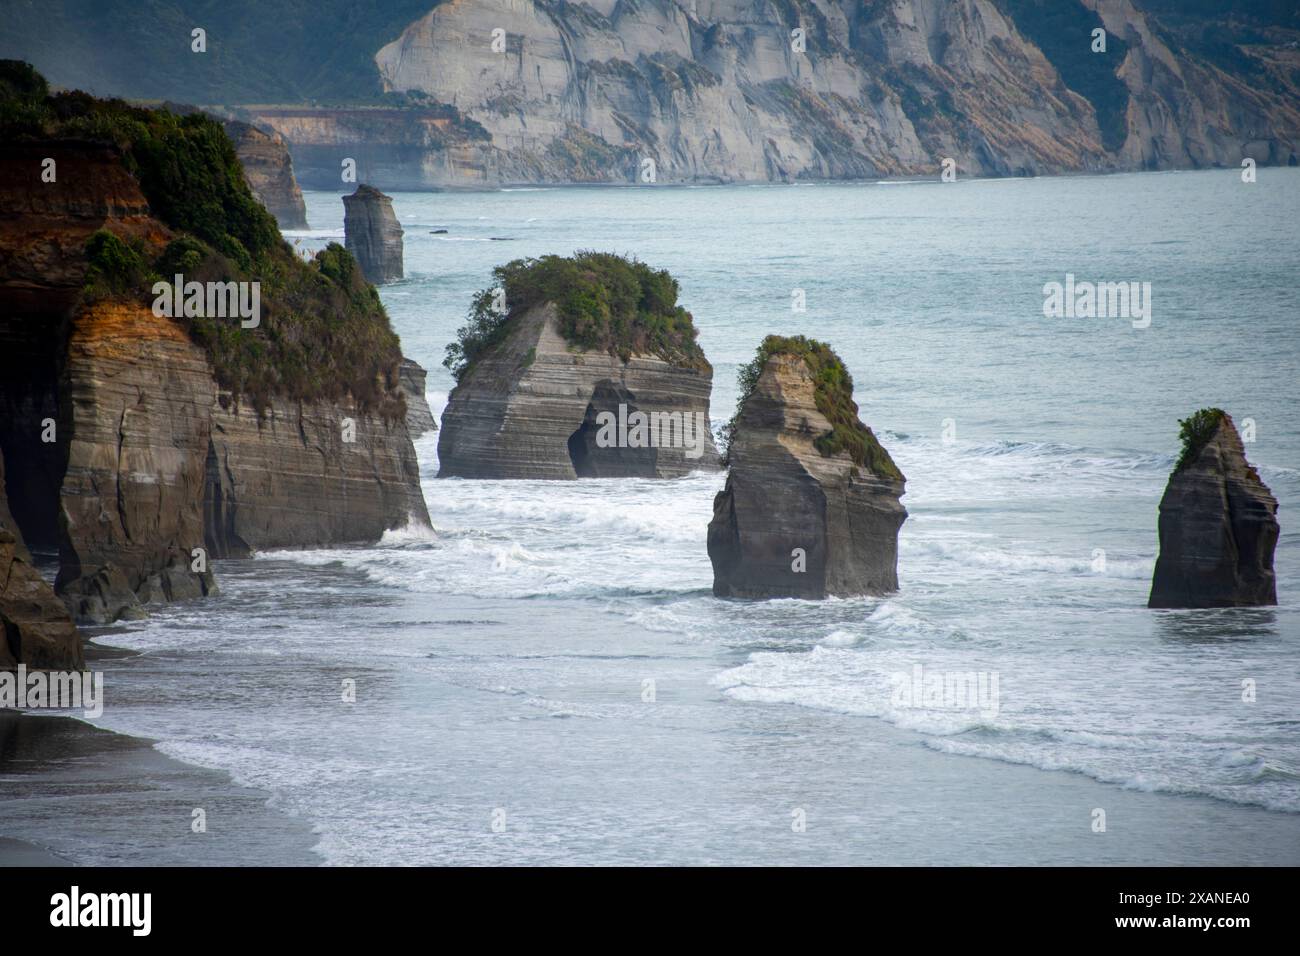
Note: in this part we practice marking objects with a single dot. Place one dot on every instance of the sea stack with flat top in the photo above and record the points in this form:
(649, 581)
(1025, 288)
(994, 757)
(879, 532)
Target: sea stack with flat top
(1218, 523)
(811, 506)
(373, 235)
(581, 367)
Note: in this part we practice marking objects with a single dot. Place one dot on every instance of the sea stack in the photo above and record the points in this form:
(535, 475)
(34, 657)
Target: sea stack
(593, 371)
(811, 506)
(1218, 523)
(373, 234)
(419, 416)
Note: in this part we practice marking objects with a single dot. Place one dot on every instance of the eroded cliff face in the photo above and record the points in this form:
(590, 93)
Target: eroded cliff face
(791, 522)
(398, 148)
(139, 396)
(269, 172)
(303, 475)
(532, 408)
(1218, 530)
(1184, 112)
(720, 90)
(413, 379)
(35, 627)
(121, 452)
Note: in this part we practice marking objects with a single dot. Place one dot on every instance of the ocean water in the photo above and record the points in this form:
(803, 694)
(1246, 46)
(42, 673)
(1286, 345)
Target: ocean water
(544, 677)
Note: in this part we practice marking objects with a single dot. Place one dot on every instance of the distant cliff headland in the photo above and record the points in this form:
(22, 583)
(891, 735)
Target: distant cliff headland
(176, 385)
(455, 93)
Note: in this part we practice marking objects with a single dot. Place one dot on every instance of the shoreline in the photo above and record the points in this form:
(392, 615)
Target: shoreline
(94, 797)
(776, 184)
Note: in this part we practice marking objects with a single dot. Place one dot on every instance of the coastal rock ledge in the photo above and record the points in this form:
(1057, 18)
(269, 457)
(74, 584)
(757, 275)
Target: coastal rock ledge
(811, 506)
(1218, 523)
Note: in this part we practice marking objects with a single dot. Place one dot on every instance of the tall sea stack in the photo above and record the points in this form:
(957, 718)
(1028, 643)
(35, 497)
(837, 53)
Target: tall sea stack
(373, 234)
(1218, 523)
(811, 506)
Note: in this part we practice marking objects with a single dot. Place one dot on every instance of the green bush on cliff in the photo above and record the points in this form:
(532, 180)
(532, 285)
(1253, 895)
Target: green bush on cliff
(323, 333)
(319, 336)
(833, 393)
(605, 302)
(186, 165)
(116, 267)
(1196, 432)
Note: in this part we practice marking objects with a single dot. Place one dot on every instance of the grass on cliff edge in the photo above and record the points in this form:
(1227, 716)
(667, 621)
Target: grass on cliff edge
(323, 334)
(1196, 433)
(606, 302)
(833, 392)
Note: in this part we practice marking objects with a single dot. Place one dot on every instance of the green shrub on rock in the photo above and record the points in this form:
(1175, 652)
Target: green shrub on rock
(605, 302)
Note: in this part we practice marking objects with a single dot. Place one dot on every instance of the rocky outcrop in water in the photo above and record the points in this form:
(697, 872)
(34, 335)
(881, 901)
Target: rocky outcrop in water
(811, 507)
(1218, 524)
(374, 236)
(419, 417)
(535, 408)
(269, 172)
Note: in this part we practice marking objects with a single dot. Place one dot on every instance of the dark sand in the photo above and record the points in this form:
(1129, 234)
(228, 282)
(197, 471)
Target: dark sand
(73, 794)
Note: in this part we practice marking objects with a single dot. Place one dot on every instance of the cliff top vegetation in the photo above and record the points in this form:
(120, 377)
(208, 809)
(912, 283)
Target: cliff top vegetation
(833, 393)
(323, 333)
(605, 302)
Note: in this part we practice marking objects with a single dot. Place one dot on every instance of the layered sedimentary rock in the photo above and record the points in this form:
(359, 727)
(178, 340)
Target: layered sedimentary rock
(1218, 528)
(535, 408)
(35, 627)
(400, 148)
(304, 475)
(726, 89)
(374, 236)
(269, 172)
(792, 522)
(122, 452)
(139, 395)
(419, 417)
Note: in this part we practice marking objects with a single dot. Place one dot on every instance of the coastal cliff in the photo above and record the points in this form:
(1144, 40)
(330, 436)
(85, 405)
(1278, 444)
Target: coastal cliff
(489, 92)
(545, 392)
(36, 629)
(727, 90)
(1218, 523)
(138, 397)
(269, 171)
(143, 440)
(306, 475)
(811, 505)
